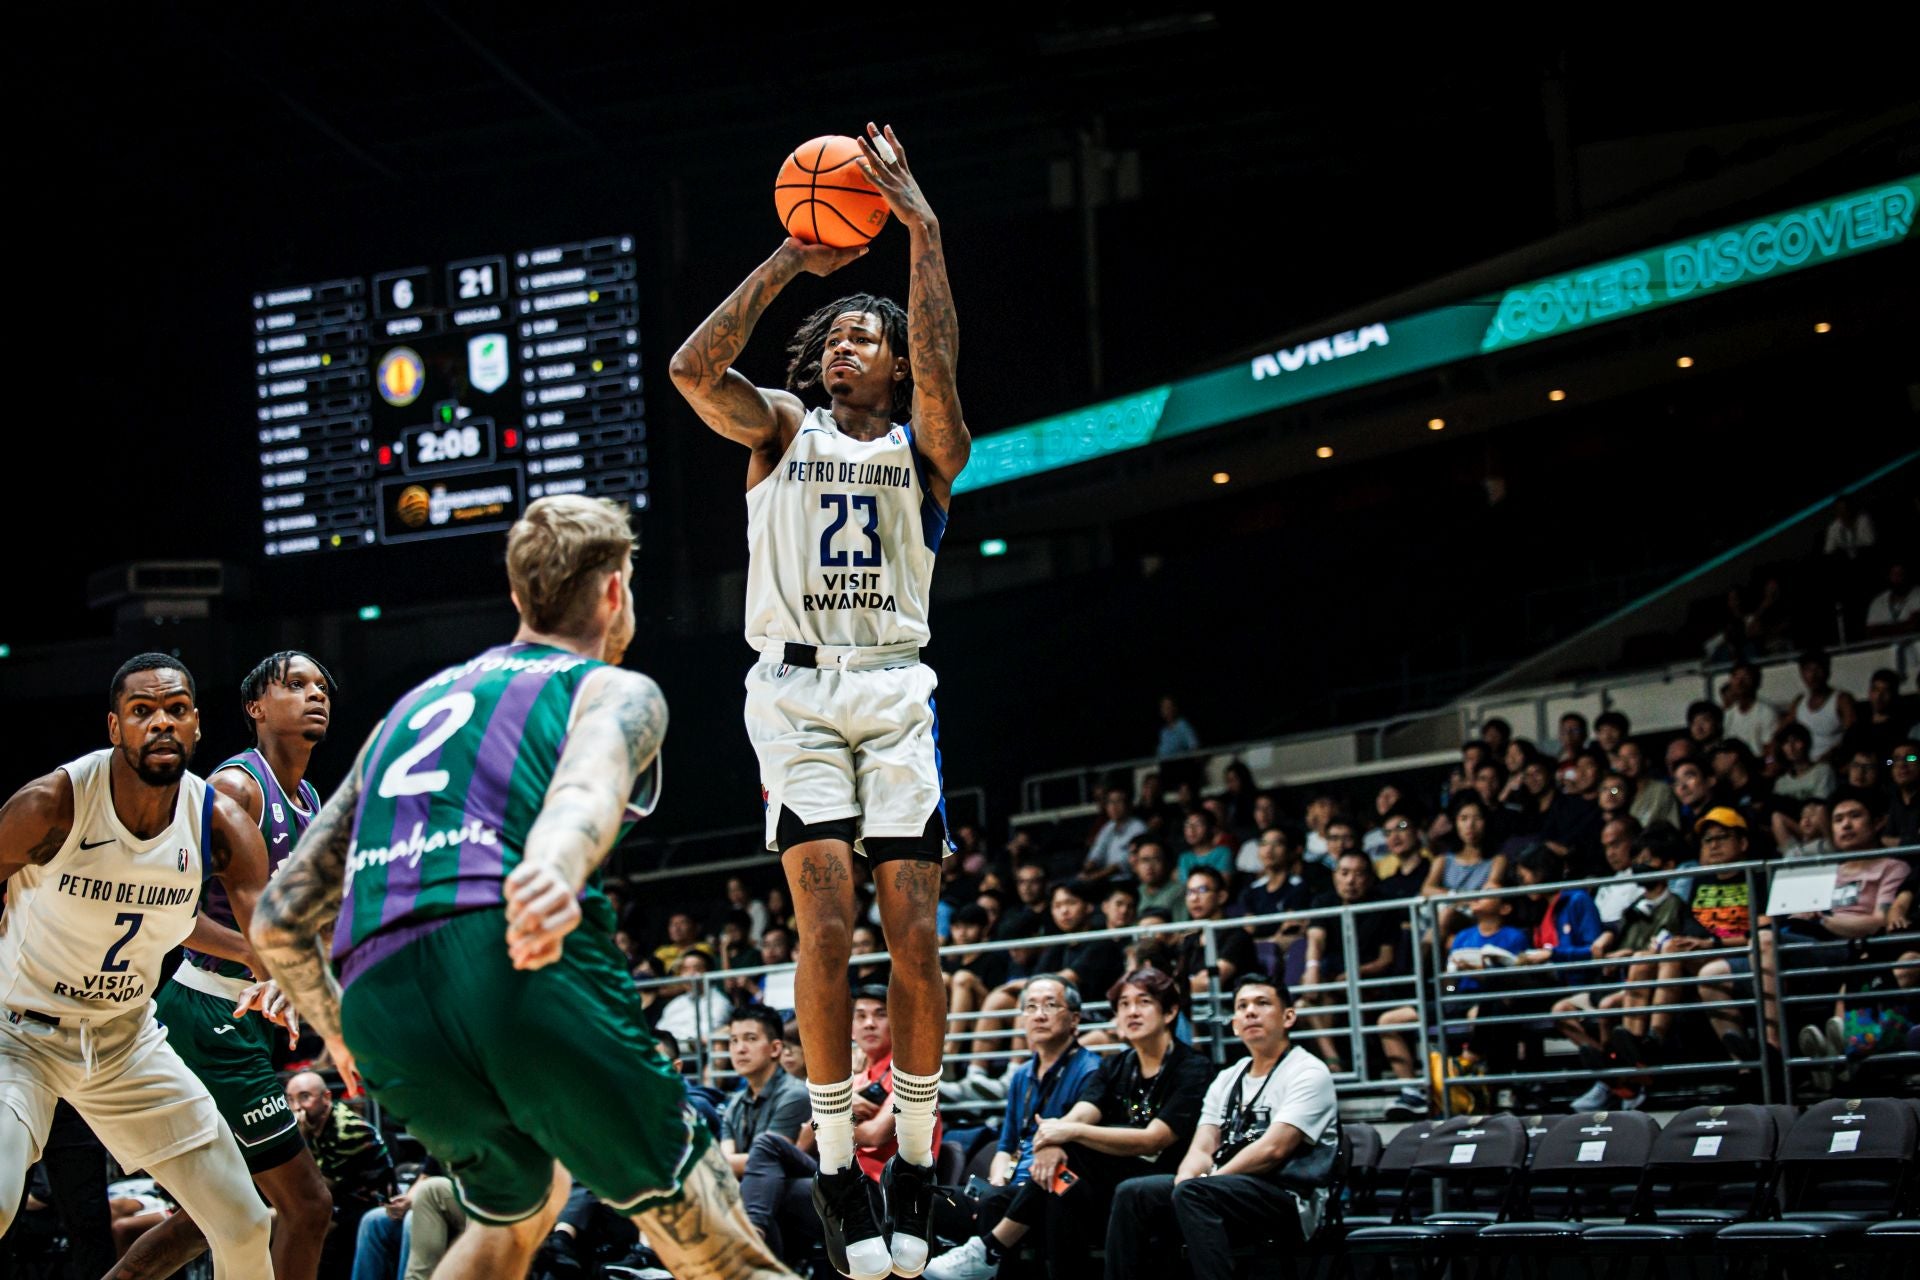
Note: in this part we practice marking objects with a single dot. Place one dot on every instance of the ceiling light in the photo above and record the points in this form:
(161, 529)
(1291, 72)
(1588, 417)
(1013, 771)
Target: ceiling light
(1221, 477)
(1436, 424)
(1324, 451)
(1556, 395)
(1823, 327)
(1685, 362)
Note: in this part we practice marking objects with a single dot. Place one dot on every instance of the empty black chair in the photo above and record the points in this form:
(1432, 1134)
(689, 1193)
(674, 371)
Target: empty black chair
(1845, 1165)
(1470, 1158)
(1387, 1183)
(1712, 1166)
(1580, 1162)
(1363, 1167)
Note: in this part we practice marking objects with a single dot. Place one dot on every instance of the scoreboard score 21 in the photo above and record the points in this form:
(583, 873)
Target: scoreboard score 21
(429, 402)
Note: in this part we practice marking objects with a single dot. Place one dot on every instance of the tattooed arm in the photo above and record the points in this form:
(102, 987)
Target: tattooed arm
(35, 822)
(939, 429)
(299, 907)
(702, 368)
(617, 732)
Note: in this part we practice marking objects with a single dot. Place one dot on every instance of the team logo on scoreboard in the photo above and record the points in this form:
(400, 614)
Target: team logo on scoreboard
(401, 377)
(412, 506)
(487, 362)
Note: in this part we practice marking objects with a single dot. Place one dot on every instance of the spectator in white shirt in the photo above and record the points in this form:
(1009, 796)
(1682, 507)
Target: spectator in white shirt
(738, 899)
(1825, 711)
(1748, 717)
(1849, 532)
(1265, 817)
(690, 1015)
(1259, 1165)
(1112, 838)
(1892, 611)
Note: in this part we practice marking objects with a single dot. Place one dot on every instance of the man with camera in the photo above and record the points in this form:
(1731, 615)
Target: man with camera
(1260, 1164)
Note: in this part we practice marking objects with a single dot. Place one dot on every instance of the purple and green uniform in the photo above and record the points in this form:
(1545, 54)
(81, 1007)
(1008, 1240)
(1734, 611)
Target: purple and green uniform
(499, 1071)
(234, 1056)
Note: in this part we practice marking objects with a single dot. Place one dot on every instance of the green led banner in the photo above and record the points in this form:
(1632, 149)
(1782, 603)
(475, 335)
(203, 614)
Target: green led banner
(1771, 246)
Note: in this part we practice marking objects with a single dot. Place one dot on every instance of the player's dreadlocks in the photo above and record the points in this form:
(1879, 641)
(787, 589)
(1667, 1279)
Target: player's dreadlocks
(272, 669)
(809, 344)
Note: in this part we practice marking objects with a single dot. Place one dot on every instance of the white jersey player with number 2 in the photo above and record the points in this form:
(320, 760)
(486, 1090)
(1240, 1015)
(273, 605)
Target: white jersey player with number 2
(846, 506)
(103, 862)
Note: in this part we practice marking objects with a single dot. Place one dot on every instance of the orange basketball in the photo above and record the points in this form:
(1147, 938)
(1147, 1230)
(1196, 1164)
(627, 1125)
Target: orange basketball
(823, 198)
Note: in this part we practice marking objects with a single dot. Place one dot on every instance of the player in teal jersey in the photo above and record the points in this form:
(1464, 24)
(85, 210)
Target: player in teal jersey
(479, 994)
(288, 701)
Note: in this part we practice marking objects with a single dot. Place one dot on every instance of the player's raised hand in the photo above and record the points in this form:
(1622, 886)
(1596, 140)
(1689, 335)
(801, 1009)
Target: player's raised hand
(543, 907)
(885, 164)
(820, 259)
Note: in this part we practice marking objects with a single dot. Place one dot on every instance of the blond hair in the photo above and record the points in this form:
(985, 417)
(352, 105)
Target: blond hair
(556, 553)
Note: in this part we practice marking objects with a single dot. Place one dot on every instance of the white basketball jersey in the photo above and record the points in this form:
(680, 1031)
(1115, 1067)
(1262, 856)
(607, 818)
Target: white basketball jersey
(841, 539)
(84, 934)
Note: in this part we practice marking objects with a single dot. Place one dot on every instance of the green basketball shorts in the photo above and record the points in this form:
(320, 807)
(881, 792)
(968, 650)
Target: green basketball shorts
(234, 1058)
(500, 1072)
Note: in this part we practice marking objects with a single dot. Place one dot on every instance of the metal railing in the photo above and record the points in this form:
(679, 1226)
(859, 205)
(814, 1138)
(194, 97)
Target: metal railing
(1346, 1010)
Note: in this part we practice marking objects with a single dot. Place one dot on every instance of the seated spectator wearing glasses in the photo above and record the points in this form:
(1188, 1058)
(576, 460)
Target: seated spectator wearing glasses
(1650, 799)
(1153, 873)
(1712, 945)
(1111, 840)
(1467, 869)
(1233, 950)
(1747, 717)
(1388, 800)
(1285, 884)
(1903, 814)
(1379, 939)
(1135, 1115)
(1043, 1087)
(1206, 847)
(1405, 862)
(1260, 1163)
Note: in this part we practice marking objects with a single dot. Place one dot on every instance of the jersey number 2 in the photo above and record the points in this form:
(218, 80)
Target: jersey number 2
(862, 504)
(453, 711)
(113, 963)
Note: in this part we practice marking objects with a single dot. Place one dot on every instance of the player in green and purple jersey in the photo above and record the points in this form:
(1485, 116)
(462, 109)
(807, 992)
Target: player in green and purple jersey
(288, 701)
(480, 995)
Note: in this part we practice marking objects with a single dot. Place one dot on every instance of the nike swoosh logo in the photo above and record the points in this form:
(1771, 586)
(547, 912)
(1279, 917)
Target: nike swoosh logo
(220, 1031)
(96, 844)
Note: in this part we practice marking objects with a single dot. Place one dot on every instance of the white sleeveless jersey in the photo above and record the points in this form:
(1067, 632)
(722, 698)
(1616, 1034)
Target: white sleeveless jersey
(841, 540)
(83, 935)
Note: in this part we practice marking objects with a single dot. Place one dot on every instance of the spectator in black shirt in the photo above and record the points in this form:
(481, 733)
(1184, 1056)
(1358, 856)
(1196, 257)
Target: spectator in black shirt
(1571, 827)
(1030, 883)
(1120, 908)
(1706, 724)
(1903, 812)
(1233, 949)
(1379, 942)
(1286, 883)
(1135, 1116)
(1094, 964)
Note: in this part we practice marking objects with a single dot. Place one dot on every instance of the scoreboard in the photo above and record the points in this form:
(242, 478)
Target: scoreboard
(434, 401)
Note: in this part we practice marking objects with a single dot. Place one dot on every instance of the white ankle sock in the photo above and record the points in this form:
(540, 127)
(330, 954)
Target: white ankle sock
(833, 1124)
(914, 1098)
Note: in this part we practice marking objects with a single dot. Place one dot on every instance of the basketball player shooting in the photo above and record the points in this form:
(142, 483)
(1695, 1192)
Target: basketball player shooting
(845, 511)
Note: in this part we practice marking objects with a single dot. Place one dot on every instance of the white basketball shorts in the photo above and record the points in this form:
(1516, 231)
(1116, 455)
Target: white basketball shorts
(140, 1099)
(861, 745)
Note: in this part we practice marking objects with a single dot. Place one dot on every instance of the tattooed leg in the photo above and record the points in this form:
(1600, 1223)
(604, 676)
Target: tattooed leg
(820, 885)
(909, 894)
(705, 1235)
